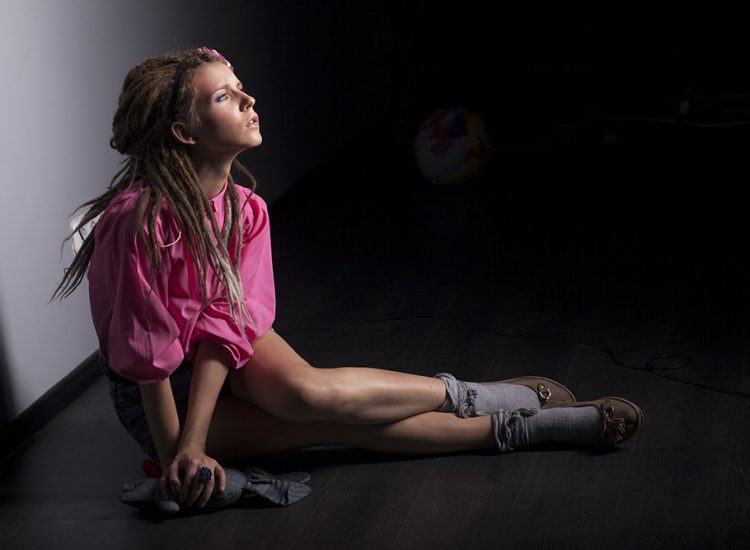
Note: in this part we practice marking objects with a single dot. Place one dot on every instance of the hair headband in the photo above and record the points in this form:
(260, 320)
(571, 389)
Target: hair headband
(215, 56)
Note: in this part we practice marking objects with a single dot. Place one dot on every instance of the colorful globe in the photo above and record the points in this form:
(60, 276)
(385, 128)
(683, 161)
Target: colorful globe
(452, 146)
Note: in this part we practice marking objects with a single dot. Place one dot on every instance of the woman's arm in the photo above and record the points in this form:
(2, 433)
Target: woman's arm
(210, 369)
(181, 457)
(163, 422)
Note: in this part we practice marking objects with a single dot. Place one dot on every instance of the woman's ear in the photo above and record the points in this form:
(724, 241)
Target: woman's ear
(181, 133)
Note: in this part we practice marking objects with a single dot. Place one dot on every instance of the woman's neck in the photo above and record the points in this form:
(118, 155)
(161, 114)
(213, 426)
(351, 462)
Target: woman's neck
(212, 175)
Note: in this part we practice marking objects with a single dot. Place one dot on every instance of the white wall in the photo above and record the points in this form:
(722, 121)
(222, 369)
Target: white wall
(63, 65)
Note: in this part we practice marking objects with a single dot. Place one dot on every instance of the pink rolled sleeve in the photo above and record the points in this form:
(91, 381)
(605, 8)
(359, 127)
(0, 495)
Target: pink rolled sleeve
(146, 327)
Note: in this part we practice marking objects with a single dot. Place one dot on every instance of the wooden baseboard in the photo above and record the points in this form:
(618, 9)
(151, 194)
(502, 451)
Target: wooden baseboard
(49, 405)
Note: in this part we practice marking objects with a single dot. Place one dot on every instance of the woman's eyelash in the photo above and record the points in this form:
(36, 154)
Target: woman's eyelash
(221, 97)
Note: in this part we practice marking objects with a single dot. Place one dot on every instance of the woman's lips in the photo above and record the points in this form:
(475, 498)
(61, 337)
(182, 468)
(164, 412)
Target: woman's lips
(254, 122)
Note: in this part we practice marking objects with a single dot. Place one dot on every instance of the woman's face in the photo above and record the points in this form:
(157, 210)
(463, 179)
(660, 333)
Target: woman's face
(228, 124)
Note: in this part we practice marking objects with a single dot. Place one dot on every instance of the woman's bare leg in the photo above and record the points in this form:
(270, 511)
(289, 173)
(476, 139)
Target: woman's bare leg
(240, 430)
(281, 382)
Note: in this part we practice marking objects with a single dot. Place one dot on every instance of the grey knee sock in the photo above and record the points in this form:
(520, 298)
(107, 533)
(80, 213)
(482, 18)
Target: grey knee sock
(475, 399)
(523, 427)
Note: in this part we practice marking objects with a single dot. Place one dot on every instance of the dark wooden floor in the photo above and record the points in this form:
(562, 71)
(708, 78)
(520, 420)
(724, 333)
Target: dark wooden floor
(636, 249)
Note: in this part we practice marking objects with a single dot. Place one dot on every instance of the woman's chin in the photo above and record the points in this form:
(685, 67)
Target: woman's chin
(257, 140)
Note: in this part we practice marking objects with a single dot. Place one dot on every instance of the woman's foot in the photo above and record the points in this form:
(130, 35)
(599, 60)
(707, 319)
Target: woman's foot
(548, 391)
(603, 422)
(481, 399)
(620, 418)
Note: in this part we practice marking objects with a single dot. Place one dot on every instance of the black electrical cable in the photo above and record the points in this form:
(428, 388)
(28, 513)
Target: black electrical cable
(651, 365)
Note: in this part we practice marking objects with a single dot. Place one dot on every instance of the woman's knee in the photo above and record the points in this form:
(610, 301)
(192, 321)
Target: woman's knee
(313, 395)
(294, 392)
(321, 397)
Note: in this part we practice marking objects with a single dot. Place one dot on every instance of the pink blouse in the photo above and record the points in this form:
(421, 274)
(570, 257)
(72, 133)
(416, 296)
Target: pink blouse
(147, 328)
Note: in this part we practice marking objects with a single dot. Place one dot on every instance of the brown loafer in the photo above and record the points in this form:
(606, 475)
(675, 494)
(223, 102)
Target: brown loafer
(620, 418)
(547, 390)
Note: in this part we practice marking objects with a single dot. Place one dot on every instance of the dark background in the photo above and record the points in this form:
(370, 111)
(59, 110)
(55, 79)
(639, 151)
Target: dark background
(550, 83)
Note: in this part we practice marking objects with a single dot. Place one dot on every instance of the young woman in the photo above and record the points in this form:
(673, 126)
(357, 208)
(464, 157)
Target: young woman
(183, 299)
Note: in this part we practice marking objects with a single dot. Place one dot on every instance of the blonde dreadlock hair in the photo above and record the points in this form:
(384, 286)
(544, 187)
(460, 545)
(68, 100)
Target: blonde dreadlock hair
(155, 94)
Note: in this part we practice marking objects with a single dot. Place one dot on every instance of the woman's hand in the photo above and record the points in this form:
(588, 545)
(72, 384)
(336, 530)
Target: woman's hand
(181, 482)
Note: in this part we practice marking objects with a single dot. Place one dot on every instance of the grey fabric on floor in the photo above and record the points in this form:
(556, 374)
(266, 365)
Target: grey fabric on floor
(475, 399)
(282, 489)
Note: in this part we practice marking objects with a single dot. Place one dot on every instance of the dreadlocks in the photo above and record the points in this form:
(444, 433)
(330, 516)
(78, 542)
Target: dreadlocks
(155, 94)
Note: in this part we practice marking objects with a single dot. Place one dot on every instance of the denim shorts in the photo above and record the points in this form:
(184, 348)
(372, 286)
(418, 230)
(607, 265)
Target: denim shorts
(126, 398)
